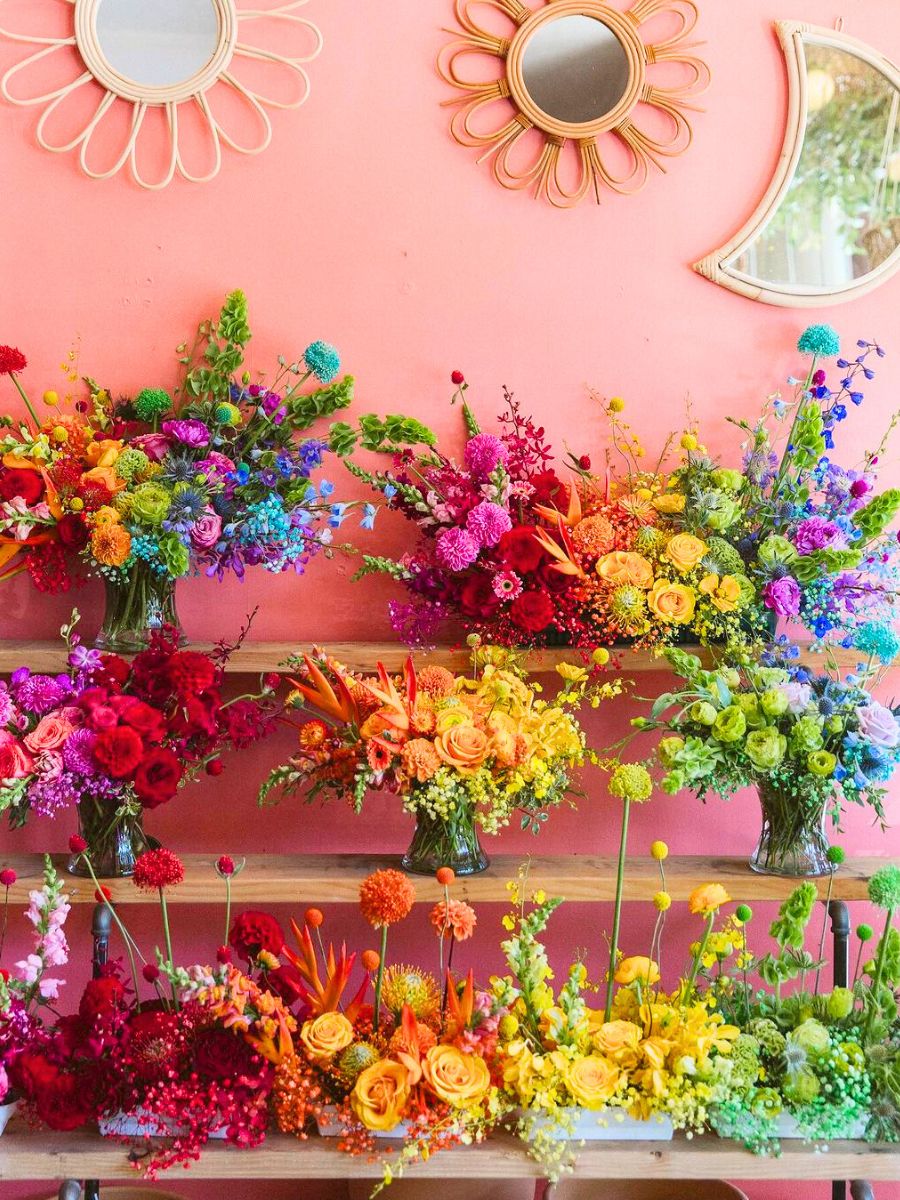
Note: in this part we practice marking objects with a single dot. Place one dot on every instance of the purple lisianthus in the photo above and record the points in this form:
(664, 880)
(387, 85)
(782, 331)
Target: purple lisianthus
(487, 522)
(188, 431)
(878, 724)
(798, 696)
(206, 530)
(456, 549)
(815, 533)
(483, 453)
(782, 596)
(273, 407)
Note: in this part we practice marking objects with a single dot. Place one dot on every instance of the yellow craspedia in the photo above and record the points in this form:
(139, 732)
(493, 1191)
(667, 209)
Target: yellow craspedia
(659, 851)
(59, 434)
(616, 404)
(600, 657)
(688, 441)
(51, 398)
(509, 1027)
(76, 504)
(662, 901)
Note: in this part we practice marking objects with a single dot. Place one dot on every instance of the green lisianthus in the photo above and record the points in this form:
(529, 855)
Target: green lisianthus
(773, 702)
(730, 725)
(723, 512)
(775, 550)
(702, 712)
(765, 748)
(807, 735)
(821, 762)
(748, 703)
(728, 479)
(812, 1036)
(150, 503)
(668, 750)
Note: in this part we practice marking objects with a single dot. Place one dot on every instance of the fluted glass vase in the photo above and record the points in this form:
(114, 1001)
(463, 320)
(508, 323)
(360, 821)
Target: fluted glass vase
(114, 835)
(136, 605)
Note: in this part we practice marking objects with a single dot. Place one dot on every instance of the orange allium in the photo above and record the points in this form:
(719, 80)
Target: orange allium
(594, 536)
(312, 735)
(437, 682)
(420, 759)
(456, 918)
(111, 545)
(386, 897)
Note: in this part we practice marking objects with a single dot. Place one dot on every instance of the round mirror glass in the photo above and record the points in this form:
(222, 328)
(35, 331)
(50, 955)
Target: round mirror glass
(575, 69)
(157, 43)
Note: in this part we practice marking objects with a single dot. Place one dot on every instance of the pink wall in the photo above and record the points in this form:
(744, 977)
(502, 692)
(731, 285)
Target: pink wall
(365, 224)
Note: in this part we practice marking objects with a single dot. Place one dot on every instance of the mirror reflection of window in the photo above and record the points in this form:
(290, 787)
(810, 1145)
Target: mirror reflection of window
(157, 43)
(575, 69)
(840, 217)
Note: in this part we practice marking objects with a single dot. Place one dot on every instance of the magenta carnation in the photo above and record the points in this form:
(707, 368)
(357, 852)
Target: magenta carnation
(488, 522)
(456, 549)
(782, 596)
(815, 533)
(483, 453)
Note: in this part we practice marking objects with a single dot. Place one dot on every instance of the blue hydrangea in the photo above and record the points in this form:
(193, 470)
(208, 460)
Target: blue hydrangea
(323, 360)
(821, 341)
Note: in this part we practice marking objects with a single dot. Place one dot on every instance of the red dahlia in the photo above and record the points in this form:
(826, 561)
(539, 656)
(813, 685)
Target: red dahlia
(157, 869)
(11, 360)
(255, 931)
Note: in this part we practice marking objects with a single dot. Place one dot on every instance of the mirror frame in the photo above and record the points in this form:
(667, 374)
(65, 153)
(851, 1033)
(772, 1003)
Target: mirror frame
(718, 265)
(543, 173)
(234, 17)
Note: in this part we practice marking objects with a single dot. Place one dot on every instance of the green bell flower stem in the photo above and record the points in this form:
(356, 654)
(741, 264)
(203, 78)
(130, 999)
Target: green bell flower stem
(620, 881)
(821, 953)
(22, 393)
(879, 963)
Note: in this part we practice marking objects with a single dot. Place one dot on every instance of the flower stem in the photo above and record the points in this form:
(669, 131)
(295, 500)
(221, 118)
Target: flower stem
(227, 908)
(821, 954)
(24, 396)
(879, 963)
(698, 957)
(379, 979)
(168, 936)
(620, 882)
(126, 936)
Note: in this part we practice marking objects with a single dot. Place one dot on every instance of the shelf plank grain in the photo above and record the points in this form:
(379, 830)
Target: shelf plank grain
(257, 657)
(84, 1154)
(311, 878)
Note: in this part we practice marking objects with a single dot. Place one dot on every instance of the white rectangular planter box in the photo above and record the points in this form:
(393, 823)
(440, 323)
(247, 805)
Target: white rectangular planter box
(329, 1126)
(613, 1125)
(136, 1125)
(7, 1112)
(786, 1127)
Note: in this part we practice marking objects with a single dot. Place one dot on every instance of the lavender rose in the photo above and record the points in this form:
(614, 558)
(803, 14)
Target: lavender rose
(878, 724)
(815, 533)
(206, 529)
(798, 696)
(782, 596)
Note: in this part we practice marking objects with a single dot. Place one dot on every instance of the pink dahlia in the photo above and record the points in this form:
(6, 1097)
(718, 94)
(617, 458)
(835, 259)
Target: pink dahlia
(456, 549)
(488, 522)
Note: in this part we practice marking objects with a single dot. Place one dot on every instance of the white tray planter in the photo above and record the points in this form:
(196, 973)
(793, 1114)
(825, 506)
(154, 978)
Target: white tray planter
(138, 1124)
(786, 1126)
(327, 1123)
(611, 1125)
(6, 1113)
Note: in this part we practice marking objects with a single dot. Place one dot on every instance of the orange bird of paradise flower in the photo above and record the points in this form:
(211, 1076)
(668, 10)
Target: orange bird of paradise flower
(336, 702)
(325, 997)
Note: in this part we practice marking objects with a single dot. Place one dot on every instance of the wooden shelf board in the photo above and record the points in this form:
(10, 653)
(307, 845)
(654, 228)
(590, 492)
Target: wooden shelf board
(256, 657)
(84, 1154)
(308, 878)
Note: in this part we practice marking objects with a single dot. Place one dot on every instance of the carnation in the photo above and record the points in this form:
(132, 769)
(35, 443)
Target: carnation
(118, 751)
(815, 533)
(254, 932)
(191, 672)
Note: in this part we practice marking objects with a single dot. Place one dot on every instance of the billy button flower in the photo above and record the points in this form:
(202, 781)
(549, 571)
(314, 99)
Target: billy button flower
(385, 897)
(630, 783)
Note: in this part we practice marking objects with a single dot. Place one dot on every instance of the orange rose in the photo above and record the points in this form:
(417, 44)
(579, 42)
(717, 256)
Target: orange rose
(103, 453)
(454, 1077)
(639, 966)
(592, 1081)
(619, 1041)
(462, 747)
(503, 740)
(105, 475)
(326, 1036)
(49, 734)
(707, 898)
(684, 551)
(380, 1094)
(671, 601)
(623, 566)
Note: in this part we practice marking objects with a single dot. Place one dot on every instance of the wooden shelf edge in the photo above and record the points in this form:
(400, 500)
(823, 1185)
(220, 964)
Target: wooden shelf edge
(314, 878)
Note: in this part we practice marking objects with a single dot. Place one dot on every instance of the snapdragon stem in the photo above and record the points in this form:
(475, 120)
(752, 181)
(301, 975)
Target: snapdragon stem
(168, 936)
(620, 882)
(5, 922)
(379, 978)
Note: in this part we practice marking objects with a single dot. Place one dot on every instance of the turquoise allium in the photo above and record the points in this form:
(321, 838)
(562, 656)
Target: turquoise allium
(819, 340)
(323, 360)
(152, 403)
(884, 887)
(879, 639)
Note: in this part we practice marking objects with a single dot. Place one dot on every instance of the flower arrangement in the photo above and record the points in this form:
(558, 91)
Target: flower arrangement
(807, 740)
(148, 489)
(30, 988)
(416, 1065)
(117, 738)
(461, 752)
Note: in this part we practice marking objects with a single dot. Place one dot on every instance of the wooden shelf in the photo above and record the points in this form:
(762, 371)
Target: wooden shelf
(315, 878)
(257, 657)
(85, 1155)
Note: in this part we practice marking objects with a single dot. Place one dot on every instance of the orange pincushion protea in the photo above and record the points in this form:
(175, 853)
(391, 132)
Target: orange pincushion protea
(386, 897)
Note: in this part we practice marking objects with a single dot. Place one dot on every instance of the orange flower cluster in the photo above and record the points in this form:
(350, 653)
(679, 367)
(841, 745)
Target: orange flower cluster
(386, 897)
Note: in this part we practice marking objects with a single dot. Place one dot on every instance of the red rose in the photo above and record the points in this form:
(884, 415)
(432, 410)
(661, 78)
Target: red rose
(145, 720)
(101, 717)
(253, 931)
(220, 1053)
(245, 722)
(118, 751)
(22, 483)
(100, 996)
(477, 597)
(191, 672)
(551, 580)
(519, 549)
(532, 611)
(114, 669)
(72, 531)
(157, 778)
(64, 1105)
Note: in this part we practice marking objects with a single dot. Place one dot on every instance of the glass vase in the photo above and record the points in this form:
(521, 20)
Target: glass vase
(141, 603)
(793, 840)
(438, 843)
(114, 836)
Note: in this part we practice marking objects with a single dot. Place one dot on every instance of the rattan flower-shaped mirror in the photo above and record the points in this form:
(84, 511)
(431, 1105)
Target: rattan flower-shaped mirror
(586, 99)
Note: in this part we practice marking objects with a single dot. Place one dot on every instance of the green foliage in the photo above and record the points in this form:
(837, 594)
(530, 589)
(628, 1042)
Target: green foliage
(223, 354)
(309, 407)
(472, 426)
(809, 567)
(373, 565)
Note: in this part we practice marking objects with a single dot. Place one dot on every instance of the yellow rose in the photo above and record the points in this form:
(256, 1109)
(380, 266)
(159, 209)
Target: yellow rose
(452, 714)
(707, 898)
(463, 747)
(684, 551)
(326, 1036)
(669, 502)
(671, 601)
(619, 1041)
(592, 1081)
(725, 593)
(639, 966)
(381, 1094)
(624, 567)
(454, 1077)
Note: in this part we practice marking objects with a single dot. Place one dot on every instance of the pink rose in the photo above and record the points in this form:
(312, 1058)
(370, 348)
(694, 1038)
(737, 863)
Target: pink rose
(15, 761)
(69, 713)
(49, 734)
(154, 445)
(207, 529)
(878, 724)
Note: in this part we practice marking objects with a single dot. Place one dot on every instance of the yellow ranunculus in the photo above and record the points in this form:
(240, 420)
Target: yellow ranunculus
(103, 453)
(669, 502)
(380, 1094)
(325, 1036)
(684, 551)
(106, 515)
(724, 593)
(619, 1041)
(639, 966)
(463, 747)
(621, 567)
(454, 1077)
(592, 1081)
(671, 601)
(707, 898)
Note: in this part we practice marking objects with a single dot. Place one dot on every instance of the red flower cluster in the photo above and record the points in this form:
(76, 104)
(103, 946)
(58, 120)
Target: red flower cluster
(157, 869)
(253, 932)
